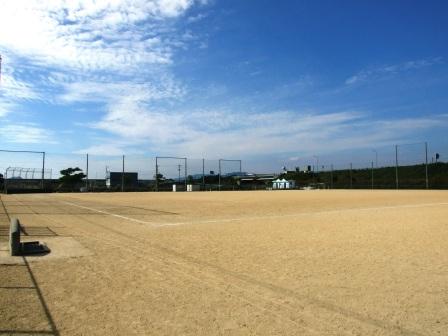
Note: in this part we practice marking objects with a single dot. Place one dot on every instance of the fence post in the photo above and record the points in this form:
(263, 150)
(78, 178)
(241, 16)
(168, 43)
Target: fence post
(426, 165)
(203, 174)
(122, 175)
(331, 177)
(372, 175)
(186, 174)
(351, 176)
(87, 171)
(43, 170)
(157, 175)
(396, 166)
(219, 177)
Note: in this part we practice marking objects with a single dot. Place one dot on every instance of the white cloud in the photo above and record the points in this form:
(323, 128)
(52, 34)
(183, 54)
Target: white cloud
(390, 70)
(6, 108)
(112, 92)
(25, 133)
(94, 35)
(109, 149)
(223, 133)
(16, 89)
(197, 17)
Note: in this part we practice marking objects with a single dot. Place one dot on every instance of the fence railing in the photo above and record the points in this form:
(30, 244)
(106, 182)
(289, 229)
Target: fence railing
(389, 167)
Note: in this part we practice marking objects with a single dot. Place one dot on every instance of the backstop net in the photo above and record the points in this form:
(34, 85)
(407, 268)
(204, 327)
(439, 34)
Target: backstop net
(20, 179)
(15, 168)
(230, 172)
(412, 166)
(171, 173)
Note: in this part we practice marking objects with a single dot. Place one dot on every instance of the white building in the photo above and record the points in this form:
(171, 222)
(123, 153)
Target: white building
(283, 184)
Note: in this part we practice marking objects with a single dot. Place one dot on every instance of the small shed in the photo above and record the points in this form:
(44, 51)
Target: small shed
(283, 184)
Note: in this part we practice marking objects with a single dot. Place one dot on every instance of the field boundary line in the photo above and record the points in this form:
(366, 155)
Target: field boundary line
(109, 213)
(224, 220)
(299, 214)
(182, 269)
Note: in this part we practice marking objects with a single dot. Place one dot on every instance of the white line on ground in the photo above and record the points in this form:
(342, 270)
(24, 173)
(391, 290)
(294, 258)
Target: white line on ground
(225, 220)
(108, 213)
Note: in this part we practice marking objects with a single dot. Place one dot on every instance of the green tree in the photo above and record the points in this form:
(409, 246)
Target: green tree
(71, 178)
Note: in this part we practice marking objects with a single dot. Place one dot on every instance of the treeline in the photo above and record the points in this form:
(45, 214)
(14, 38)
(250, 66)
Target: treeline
(409, 177)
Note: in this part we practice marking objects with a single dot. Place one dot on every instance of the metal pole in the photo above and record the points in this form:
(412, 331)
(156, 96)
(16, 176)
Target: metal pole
(157, 175)
(219, 177)
(203, 174)
(331, 175)
(376, 157)
(5, 187)
(241, 169)
(396, 166)
(372, 175)
(43, 169)
(87, 171)
(351, 177)
(122, 175)
(186, 174)
(426, 165)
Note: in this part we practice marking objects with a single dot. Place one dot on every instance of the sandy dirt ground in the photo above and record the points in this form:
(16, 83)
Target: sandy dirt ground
(228, 263)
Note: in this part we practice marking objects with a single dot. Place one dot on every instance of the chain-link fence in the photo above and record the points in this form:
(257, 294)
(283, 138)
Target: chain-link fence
(406, 166)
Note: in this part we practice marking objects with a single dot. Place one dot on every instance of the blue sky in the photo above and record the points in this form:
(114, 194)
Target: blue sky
(262, 80)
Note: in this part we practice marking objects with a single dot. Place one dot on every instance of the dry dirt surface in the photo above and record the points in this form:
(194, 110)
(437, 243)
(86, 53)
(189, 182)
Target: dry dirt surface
(228, 263)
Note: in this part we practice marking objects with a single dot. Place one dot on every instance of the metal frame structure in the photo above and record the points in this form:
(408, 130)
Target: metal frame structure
(170, 157)
(29, 152)
(397, 147)
(226, 160)
(21, 171)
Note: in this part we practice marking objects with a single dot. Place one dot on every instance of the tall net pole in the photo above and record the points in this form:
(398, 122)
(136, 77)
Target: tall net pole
(203, 174)
(174, 158)
(29, 152)
(351, 176)
(396, 167)
(157, 175)
(122, 174)
(219, 175)
(87, 171)
(186, 173)
(426, 165)
(43, 170)
(220, 170)
(331, 177)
